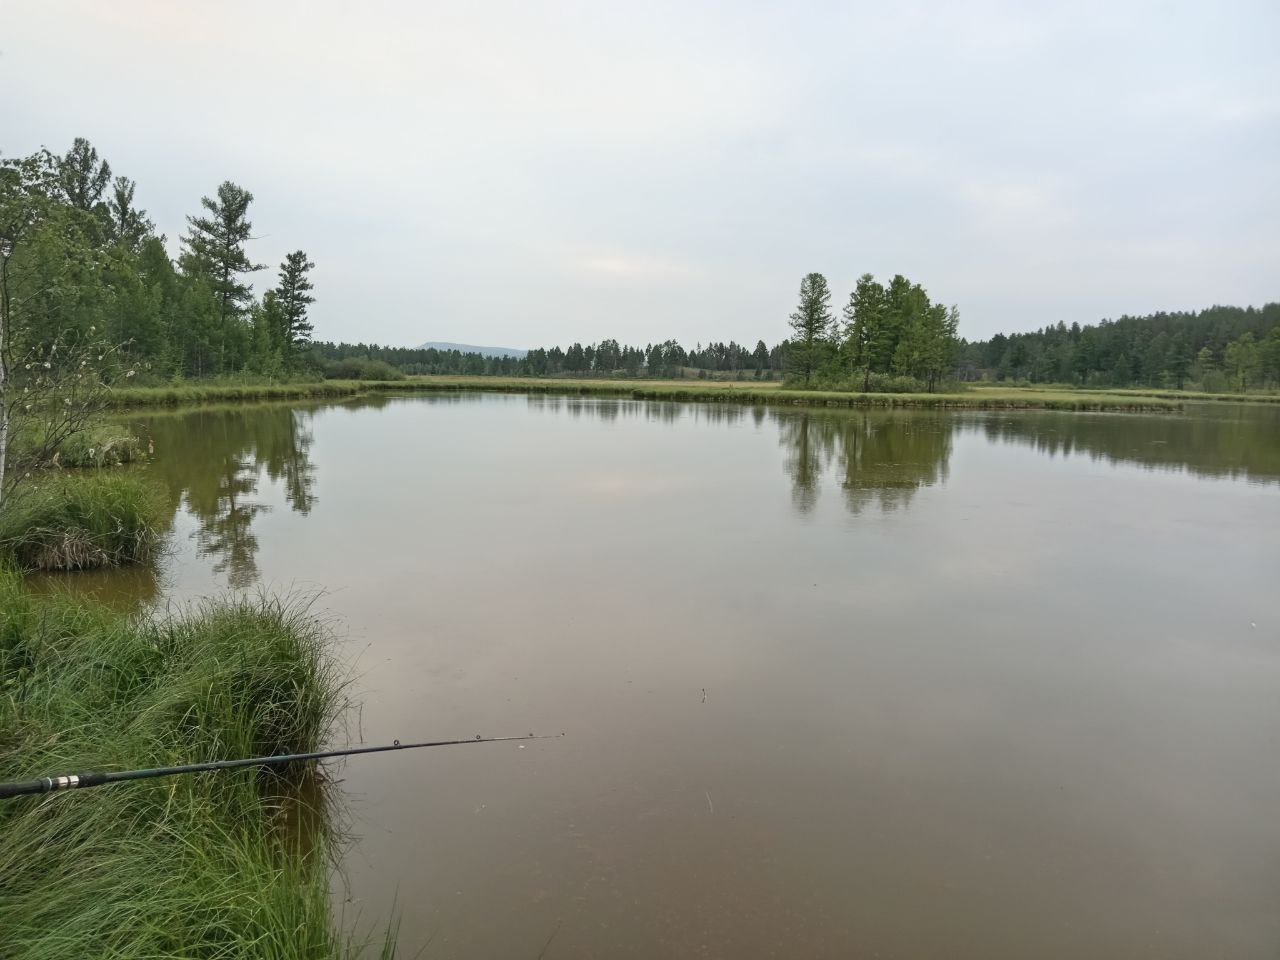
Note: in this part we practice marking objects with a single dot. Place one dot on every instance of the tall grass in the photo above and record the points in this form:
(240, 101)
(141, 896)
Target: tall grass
(205, 866)
(58, 522)
(198, 392)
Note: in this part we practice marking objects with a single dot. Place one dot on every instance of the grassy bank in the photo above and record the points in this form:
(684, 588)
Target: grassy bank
(980, 397)
(212, 865)
(61, 522)
(1197, 396)
(995, 398)
(196, 393)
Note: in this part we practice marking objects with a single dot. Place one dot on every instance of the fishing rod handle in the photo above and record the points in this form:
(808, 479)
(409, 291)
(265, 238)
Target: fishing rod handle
(51, 784)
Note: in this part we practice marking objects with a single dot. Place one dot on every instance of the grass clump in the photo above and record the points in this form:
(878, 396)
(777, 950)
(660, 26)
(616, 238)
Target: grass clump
(105, 445)
(79, 523)
(202, 393)
(211, 865)
(100, 445)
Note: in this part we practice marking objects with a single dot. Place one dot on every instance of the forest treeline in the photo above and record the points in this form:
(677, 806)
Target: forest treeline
(607, 358)
(78, 255)
(1218, 349)
(80, 258)
(893, 337)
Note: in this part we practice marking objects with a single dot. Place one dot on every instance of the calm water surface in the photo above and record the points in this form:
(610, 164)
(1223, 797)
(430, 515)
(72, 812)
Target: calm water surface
(847, 684)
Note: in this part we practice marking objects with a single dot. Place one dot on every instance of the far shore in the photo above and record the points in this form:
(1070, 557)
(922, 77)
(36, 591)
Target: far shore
(978, 396)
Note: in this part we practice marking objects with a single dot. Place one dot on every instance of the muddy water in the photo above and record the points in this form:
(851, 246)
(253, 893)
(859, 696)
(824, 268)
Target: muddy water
(847, 684)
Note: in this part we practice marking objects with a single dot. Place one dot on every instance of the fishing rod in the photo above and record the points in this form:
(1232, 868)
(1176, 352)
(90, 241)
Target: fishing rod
(76, 781)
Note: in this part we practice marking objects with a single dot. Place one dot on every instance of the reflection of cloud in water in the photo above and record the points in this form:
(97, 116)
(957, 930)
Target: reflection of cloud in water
(629, 485)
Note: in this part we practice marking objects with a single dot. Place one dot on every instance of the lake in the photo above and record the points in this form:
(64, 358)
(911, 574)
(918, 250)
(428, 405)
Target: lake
(833, 684)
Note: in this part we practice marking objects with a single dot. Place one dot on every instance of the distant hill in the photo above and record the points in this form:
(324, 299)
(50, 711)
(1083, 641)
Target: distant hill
(472, 348)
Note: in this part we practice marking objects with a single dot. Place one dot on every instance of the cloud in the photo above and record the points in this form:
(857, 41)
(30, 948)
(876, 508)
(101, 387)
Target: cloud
(636, 267)
(525, 173)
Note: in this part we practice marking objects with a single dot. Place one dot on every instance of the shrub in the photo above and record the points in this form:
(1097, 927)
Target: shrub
(357, 368)
(860, 383)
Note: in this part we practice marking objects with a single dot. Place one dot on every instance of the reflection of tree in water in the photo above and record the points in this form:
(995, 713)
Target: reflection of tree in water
(1224, 440)
(129, 589)
(213, 460)
(887, 458)
(226, 521)
(879, 457)
(609, 409)
(807, 439)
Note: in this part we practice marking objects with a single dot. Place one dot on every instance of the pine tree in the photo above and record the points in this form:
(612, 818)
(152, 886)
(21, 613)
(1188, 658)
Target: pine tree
(760, 357)
(82, 177)
(914, 332)
(126, 224)
(864, 317)
(1240, 359)
(215, 251)
(900, 302)
(1178, 360)
(812, 323)
(294, 296)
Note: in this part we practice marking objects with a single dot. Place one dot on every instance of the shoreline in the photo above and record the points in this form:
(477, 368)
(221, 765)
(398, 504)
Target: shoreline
(992, 397)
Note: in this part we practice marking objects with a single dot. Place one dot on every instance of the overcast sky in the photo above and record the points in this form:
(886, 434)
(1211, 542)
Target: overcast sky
(533, 172)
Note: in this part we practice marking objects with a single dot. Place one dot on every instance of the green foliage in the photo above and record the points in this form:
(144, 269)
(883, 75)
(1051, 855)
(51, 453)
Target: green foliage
(77, 252)
(127, 226)
(357, 369)
(82, 177)
(215, 247)
(78, 523)
(813, 326)
(1214, 350)
(868, 382)
(609, 359)
(864, 317)
(227, 865)
(894, 330)
(293, 297)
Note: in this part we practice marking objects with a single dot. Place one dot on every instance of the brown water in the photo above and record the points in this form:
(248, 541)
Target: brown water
(847, 684)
